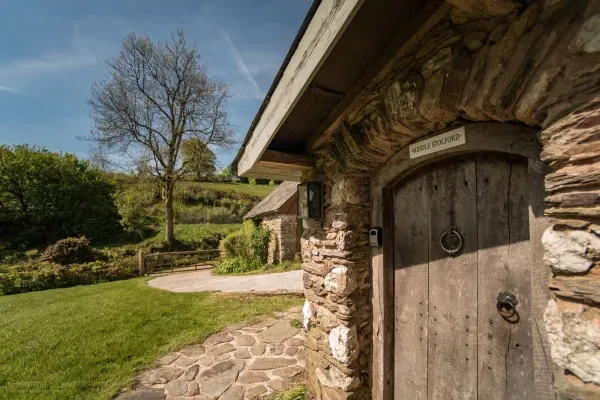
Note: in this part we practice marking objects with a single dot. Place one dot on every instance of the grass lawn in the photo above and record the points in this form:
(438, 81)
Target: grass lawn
(87, 342)
(256, 190)
(273, 269)
(191, 232)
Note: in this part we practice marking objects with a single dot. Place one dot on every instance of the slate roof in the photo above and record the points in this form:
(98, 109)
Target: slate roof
(275, 200)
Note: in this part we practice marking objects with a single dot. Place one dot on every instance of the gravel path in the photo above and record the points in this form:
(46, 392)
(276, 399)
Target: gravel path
(201, 281)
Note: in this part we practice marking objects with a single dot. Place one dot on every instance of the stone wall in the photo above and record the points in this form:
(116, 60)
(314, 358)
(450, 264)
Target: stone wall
(336, 280)
(284, 239)
(536, 65)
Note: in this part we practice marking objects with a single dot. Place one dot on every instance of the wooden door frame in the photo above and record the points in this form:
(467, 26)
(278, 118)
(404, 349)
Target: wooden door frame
(480, 137)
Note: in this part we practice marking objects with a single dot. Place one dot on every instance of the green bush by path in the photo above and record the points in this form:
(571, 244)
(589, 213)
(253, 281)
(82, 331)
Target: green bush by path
(237, 265)
(35, 275)
(88, 342)
(241, 266)
(244, 250)
(112, 263)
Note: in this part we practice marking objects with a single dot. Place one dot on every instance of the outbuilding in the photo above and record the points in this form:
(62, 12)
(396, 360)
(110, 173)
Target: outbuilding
(278, 212)
(457, 149)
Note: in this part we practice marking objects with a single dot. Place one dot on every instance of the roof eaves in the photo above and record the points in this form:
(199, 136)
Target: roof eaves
(286, 61)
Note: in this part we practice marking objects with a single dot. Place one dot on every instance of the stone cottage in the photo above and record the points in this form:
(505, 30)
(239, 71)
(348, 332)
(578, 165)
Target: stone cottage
(468, 132)
(278, 212)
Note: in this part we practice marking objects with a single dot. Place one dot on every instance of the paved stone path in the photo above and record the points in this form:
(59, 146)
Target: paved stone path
(201, 281)
(245, 361)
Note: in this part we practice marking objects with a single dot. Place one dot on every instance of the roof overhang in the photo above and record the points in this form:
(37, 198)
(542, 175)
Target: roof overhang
(342, 46)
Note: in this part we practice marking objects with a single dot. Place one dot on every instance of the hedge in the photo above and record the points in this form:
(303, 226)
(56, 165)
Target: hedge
(47, 275)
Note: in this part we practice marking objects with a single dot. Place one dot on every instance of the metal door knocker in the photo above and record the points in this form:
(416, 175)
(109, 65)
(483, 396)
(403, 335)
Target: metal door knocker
(451, 241)
(507, 304)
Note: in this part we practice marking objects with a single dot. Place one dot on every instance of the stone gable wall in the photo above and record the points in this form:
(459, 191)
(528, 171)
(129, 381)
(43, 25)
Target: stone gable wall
(536, 65)
(282, 246)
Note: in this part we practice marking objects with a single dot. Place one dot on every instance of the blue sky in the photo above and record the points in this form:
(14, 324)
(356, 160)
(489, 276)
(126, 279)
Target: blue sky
(52, 50)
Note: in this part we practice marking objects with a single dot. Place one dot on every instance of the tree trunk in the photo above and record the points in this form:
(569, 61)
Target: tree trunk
(169, 235)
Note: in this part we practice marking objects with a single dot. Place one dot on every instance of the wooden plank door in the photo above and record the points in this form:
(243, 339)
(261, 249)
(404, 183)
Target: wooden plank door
(453, 282)
(506, 368)
(411, 287)
(450, 341)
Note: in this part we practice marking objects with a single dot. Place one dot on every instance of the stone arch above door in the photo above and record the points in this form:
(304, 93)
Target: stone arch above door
(480, 137)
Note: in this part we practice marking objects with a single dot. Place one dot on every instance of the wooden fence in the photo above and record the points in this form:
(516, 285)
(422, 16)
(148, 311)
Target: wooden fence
(178, 260)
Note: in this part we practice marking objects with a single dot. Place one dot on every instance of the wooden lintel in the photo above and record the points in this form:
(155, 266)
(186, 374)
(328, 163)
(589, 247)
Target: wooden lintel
(262, 172)
(286, 161)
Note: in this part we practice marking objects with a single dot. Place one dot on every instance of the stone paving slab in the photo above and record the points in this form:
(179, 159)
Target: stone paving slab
(236, 364)
(204, 281)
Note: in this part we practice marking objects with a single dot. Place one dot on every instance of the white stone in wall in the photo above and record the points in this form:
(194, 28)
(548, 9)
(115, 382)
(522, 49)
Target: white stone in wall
(345, 240)
(343, 343)
(574, 341)
(308, 313)
(344, 191)
(340, 281)
(570, 251)
(588, 37)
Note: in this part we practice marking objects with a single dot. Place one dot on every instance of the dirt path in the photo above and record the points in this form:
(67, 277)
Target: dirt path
(201, 281)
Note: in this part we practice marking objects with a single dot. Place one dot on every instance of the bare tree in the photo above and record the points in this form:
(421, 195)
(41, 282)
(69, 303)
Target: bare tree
(155, 96)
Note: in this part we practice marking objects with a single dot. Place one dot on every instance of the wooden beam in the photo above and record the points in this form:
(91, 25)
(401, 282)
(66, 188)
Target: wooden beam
(326, 27)
(284, 163)
(427, 17)
(277, 157)
(277, 175)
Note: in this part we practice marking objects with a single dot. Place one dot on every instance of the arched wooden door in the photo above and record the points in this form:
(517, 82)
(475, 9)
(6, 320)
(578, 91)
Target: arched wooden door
(450, 340)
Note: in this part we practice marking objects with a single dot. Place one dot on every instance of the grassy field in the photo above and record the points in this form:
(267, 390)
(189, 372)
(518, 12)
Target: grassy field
(87, 342)
(256, 190)
(269, 269)
(191, 232)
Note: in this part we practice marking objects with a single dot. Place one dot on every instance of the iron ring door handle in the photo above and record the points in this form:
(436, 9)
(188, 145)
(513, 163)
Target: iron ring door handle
(459, 246)
(507, 304)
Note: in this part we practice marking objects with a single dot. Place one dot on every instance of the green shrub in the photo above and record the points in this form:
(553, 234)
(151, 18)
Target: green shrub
(252, 181)
(236, 245)
(259, 242)
(295, 393)
(48, 196)
(271, 183)
(46, 275)
(251, 242)
(133, 206)
(237, 265)
(68, 251)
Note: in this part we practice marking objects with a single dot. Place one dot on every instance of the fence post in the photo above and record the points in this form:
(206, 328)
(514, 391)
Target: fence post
(141, 260)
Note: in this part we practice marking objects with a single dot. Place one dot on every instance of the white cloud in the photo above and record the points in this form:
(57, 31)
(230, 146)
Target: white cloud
(17, 74)
(242, 67)
(9, 89)
(260, 62)
(45, 64)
